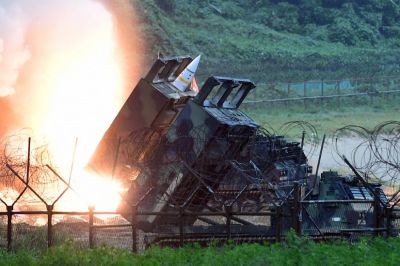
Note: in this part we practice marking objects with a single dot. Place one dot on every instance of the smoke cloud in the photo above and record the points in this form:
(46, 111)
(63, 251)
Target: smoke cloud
(13, 52)
(43, 42)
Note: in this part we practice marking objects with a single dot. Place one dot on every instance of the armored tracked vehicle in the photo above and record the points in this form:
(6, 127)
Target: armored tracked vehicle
(194, 162)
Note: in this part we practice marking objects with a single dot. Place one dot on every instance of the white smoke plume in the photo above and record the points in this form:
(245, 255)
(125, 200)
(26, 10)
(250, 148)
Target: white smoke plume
(13, 51)
(66, 67)
(48, 53)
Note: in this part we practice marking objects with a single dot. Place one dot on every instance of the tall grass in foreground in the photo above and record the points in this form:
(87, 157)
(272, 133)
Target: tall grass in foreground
(295, 251)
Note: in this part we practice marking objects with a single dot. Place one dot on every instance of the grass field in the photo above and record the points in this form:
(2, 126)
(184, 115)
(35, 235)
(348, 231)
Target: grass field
(296, 251)
(328, 117)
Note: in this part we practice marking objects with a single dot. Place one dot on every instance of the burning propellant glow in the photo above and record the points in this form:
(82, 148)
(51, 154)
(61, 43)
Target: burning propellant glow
(68, 81)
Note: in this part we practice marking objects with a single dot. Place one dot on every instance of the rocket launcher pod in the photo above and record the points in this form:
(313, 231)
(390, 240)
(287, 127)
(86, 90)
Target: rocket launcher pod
(200, 143)
(175, 148)
(149, 111)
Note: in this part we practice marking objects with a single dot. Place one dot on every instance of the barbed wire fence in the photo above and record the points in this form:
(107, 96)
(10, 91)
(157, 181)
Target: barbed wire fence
(377, 153)
(31, 186)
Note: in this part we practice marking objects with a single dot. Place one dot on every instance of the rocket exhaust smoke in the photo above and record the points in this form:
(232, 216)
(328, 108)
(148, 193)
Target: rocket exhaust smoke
(66, 68)
(64, 64)
(13, 51)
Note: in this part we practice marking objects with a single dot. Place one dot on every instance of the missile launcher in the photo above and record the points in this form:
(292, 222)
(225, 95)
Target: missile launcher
(175, 149)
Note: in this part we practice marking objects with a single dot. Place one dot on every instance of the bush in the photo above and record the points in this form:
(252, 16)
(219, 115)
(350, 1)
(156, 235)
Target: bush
(390, 32)
(342, 31)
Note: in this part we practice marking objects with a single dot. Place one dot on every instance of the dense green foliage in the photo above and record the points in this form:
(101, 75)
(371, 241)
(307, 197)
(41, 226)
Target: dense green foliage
(296, 251)
(276, 39)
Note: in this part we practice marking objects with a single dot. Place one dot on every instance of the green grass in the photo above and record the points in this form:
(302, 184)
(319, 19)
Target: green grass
(328, 117)
(296, 251)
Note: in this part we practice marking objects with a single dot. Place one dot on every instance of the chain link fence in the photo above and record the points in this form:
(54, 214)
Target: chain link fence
(324, 90)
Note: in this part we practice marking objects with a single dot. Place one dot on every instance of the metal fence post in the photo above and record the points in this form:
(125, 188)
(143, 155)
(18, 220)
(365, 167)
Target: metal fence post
(134, 232)
(322, 91)
(278, 220)
(388, 214)
(296, 208)
(355, 87)
(376, 212)
(228, 210)
(9, 227)
(288, 92)
(49, 225)
(371, 99)
(91, 219)
(305, 94)
(181, 231)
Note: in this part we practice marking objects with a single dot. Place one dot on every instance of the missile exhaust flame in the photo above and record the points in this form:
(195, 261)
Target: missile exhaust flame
(69, 82)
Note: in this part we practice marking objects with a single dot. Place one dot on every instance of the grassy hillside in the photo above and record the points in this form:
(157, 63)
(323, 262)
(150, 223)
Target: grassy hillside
(278, 40)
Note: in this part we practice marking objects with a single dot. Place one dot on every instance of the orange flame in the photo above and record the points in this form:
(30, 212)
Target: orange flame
(77, 86)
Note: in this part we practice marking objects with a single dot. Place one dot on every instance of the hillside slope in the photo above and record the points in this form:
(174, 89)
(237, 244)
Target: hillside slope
(278, 40)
